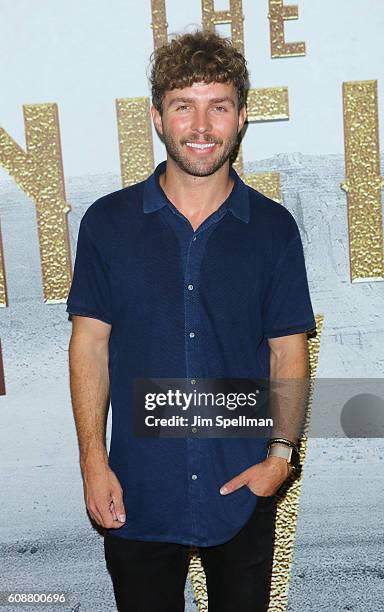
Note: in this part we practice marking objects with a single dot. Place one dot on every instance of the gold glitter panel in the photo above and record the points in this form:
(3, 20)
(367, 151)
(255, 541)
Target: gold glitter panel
(363, 183)
(267, 183)
(234, 17)
(278, 13)
(286, 516)
(267, 104)
(159, 23)
(39, 172)
(264, 104)
(199, 584)
(135, 139)
(289, 499)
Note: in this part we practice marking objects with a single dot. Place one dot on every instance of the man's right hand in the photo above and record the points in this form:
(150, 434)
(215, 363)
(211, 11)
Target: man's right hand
(103, 496)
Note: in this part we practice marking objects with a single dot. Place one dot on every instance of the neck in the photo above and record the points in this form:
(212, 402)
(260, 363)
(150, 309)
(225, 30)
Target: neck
(196, 197)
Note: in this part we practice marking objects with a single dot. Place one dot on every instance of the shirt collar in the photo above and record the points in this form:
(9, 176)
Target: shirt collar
(154, 197)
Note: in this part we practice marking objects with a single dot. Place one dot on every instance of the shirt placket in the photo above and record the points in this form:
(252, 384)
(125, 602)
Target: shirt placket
(194, 343)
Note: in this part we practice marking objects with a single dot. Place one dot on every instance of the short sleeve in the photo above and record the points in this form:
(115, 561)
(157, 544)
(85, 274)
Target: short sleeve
(89, 294)
(287, 307)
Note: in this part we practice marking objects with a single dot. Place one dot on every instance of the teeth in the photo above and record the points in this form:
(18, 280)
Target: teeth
(194, 145)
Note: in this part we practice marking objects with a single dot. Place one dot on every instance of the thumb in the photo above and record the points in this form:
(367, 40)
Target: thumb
(233, 484)
(118, 503)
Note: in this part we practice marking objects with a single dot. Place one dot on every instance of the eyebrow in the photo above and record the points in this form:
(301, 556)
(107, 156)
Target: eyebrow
(212, 100)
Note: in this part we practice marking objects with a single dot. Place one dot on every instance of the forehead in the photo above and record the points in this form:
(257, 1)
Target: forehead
(203, 91)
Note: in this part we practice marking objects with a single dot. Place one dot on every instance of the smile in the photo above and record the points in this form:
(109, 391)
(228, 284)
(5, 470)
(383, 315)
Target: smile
(195, 145)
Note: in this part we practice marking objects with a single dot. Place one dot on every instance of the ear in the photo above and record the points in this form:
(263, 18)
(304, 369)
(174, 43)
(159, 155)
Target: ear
(156, 117)
(242, 117)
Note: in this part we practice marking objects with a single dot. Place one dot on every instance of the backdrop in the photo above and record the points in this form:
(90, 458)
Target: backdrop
(74, 119)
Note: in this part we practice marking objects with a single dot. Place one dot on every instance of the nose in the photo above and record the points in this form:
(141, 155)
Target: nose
(201, 121)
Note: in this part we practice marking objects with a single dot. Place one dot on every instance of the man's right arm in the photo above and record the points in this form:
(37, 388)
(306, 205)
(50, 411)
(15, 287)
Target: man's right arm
(89, 385)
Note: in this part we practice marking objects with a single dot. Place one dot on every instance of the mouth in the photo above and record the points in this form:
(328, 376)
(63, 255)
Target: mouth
(201, 148)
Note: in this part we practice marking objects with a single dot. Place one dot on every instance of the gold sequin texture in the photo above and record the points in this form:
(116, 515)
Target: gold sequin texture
(159, 23)
(39, 173)
(267, 183)
(264, 104)
(135, 139)
(234, 16)
(363, 182)
(267, 104)
(278, 13)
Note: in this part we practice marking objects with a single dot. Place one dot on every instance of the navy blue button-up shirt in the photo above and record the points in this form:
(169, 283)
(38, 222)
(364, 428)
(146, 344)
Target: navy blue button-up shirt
(187, 304)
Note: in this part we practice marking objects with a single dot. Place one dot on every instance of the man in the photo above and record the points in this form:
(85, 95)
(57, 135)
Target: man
(188, 275)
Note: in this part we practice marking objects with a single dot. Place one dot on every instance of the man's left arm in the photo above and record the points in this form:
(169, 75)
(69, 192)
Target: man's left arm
(289, 385)
(289, 379)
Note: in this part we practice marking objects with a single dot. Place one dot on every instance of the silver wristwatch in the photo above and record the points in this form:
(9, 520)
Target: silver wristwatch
(278, 449)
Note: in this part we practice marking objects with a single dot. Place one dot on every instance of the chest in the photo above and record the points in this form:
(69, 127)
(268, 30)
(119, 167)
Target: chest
(156, 271)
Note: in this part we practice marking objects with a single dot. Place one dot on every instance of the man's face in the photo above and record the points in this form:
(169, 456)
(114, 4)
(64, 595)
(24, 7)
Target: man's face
(199, 126)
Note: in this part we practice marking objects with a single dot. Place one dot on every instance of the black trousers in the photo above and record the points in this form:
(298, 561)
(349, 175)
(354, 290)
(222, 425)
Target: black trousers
(151, 576)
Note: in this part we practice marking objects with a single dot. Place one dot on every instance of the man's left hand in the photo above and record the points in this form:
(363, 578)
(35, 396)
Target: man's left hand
(263, 478)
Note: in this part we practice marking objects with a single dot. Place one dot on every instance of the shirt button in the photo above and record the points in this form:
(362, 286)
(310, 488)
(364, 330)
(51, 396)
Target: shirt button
(190, 287)
(194, 238)
(192, 334)
(193, 381)
(194, 430)
(194, 476)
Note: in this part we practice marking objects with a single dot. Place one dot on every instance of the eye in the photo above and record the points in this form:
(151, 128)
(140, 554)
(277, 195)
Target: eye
(182, 107)
(220, 108)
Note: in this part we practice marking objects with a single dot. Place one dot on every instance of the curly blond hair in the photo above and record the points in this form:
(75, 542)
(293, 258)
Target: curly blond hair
(195, 57)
